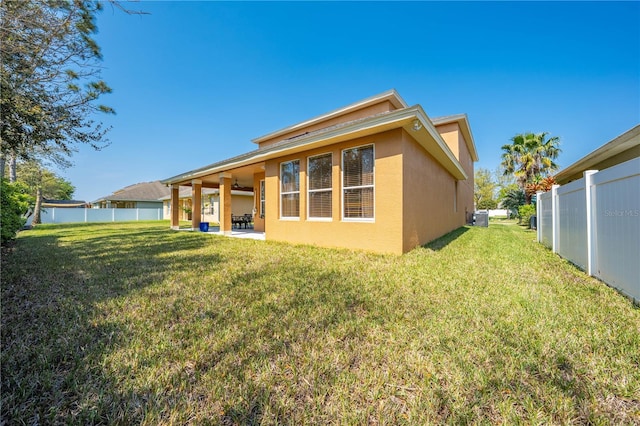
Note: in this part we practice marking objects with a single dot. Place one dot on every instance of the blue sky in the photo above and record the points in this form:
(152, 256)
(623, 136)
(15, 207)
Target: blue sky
(194, 82)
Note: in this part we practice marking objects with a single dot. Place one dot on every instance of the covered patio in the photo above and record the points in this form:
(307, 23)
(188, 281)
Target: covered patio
(225, 176)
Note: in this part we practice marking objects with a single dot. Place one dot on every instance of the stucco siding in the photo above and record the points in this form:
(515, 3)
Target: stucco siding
(454, 139)
(382, 234)
(258, 219)
(429, 190)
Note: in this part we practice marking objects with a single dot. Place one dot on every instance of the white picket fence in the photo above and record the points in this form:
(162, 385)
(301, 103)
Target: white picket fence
(72, 215)
(594, 222)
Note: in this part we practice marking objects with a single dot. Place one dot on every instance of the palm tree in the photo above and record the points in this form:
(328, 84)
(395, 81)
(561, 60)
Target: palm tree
(530, 156)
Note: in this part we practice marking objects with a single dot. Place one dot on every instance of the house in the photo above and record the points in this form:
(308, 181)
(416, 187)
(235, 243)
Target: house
(623, 148)
(376, 175)
(242, 202)
(145, 195)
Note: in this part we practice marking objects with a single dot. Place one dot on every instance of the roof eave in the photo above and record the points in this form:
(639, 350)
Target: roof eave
(465, 128)
(621, 143)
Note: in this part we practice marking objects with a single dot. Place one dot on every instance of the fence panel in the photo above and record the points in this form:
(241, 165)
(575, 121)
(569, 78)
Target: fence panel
(572, 223)
(99, 215)
(62, 215)
(545, 221)
(597, 224)
(57, 215)
(616, 226)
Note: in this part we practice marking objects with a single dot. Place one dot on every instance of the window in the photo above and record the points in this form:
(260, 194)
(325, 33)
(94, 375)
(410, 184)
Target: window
(262, 203)
(319, 186)
(358, 183)
(290, 189)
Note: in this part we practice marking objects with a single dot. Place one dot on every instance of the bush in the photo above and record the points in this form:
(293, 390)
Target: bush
(14, 203)
(512, 200)
(487, 204)
(525, 212)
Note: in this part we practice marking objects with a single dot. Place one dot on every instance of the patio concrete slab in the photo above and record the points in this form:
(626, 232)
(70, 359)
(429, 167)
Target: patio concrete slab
(235, 233)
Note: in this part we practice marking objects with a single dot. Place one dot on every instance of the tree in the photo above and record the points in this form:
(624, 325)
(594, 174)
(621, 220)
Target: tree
(512, 200)
(42, 183)
(530, 156)
(49, 78)
(487, 204)
(484, 189)
(543, 185)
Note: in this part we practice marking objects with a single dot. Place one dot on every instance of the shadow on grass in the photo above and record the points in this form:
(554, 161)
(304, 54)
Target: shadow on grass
(52, 337)
(55, 338)
(440, 243)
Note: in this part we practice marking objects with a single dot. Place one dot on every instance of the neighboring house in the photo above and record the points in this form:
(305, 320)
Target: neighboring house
(376, 175)
(64, 204)
(623, 148)
(242, 202)
(146, 195)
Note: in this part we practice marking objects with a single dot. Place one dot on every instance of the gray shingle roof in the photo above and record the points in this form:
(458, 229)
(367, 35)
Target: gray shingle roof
(145, 191)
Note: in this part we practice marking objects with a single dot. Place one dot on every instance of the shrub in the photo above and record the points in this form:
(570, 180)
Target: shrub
(512, 200)
(14, 203)
(525, 212)
(487, 204)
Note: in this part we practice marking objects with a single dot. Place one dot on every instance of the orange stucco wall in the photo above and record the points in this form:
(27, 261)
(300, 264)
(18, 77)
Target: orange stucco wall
(378, 108)
(453, 137)
(382, 234)
(414, 198)
(429, 190)
(258, 221)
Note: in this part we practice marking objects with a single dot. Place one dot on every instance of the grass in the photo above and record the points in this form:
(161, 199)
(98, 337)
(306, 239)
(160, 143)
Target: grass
(135, 324)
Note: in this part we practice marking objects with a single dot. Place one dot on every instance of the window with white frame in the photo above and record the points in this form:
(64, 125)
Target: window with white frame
(290, 189)
(358, 183)
(262, 198)
(319, 173)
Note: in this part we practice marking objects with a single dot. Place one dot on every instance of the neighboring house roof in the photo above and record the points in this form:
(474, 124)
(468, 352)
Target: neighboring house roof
(145, 191)
(186, 193)
(63, 203)
(412, 119)
(623, 148)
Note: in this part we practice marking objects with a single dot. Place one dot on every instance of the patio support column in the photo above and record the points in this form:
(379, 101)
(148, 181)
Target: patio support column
(175, 206)
(196, 206)
(225, 203)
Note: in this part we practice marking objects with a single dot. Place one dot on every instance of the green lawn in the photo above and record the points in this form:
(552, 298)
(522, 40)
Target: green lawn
(133, 323)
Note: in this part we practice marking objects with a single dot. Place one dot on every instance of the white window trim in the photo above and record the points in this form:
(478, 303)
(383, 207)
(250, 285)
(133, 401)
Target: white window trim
(342, 188)
(309, 191)
(281, 193)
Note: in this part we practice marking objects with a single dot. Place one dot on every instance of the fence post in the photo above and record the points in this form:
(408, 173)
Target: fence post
(554, 218)
(113, 215)
(539, 215)
(85, 215)
(53, 215)
(588, 179)
(137, 215)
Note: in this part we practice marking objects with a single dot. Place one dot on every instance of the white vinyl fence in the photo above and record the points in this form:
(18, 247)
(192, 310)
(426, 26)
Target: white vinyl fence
(70, 215)
(594, 222)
